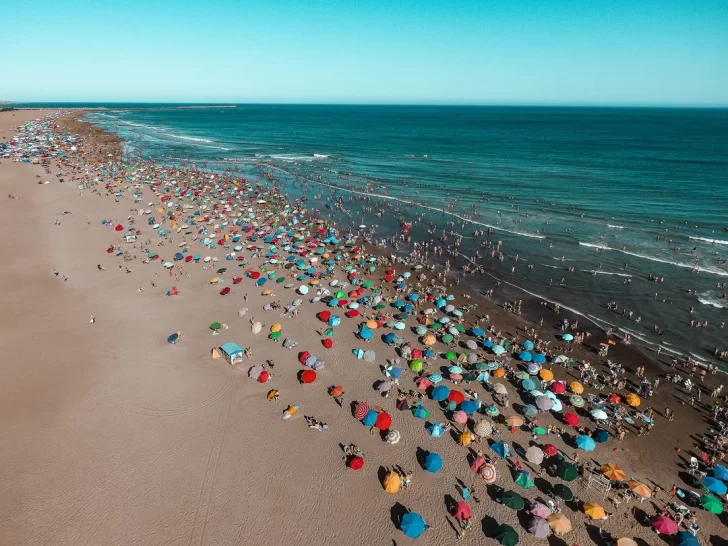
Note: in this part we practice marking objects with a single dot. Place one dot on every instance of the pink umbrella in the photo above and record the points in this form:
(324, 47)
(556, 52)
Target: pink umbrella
(462, 511)
(477, 463)
(460, 417)
(541, 510)
(423, 383)
(664, 525)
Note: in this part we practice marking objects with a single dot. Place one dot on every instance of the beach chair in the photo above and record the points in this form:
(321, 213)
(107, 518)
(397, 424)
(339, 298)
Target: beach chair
(693, 465)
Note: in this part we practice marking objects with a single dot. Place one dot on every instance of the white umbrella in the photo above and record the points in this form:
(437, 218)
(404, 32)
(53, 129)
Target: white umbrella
(500, 388)
(534, 455)
(256, 327)
(393, 436)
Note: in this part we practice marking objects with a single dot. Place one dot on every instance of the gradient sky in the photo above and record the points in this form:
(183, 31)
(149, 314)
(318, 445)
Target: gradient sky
(618, 52)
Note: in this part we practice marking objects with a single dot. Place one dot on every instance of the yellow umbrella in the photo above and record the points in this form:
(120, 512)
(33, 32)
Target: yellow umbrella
(271, 394)
(633, 400)
(546, 375)
(576, 387)
(267, 292)
(559, 523)
(624, 541)
(275, 328)
(515, 420)
(392, 482)
(594, 511)
(465, 439)
(429, 339)
(214, 280)
(613, 472)
(640, 489)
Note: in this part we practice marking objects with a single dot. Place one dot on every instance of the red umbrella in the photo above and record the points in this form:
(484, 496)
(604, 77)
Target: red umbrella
(462, 510)
(323, 316)
(119, 227)
(327, 343)
(303, 356)
(263, 377)
(360, 411)
(614, 398)
(308, 376)
(416, 353)
(664, 525)
(557, 388)
(225, 291)
(571, 419)
(423, 383)
(353, 313)
(550, 450)
(237, 280)
(254, 275)
(356, 463)
(384, 421)
(456, 396)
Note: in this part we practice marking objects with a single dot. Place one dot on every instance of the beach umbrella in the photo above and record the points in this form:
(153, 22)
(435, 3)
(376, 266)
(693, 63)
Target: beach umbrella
(571, 419)
(384, 386)
(393, 437)
(613, 472)
(433, 462)
(513, 500)
(533, 369)
(360, 410)
(567, 337)
(528, 345)
(308, 376)
(460, 417)
(256, 327)
(470, 344)
(600, 436)
(563, 492)
(541, 510)
(557, 387)
(524, 480)
(556, 405)
(633, 400)
(456, 396)
(501, 449)
(370, 418)
(614, 398)
(585, 442)
(423, 383)
(528, 385)
(685, 538)
(500, 388)
(530, 411)
(716, 486)
(416, 366)
(625, 541)
(534, 455)
(470, 406)
(492, 411)
(498, 350)
(599, 415)
(566, 471)
(462, 511)
(391, 482)
(483, 429)
(525, 356)
(550, 450)
(576, 387)
(477, 332)
(546, 375)
(539, 527)
(174, 338)
(544, 403)
(440, 393)
(356, 463)
(412, 525)
(514, 421)
(383, 421)
(370, 356)
(559, 523)
(435, 378)
(487, 472)
(506, 535)
(711, 503)
(593, 510)
(664, 525)
(576, 400)
(420, 412)
(720, 472)
(436, 430)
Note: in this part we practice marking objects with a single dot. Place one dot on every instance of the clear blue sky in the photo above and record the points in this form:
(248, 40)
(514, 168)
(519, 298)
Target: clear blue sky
(618, 52)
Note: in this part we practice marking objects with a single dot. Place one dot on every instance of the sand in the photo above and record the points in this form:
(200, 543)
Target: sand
(112, 436)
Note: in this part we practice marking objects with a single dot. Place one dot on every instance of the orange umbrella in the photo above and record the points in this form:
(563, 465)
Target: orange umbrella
(640, 489)
(576, 387)
(546, 375)
(515, 420)
(633, 400)
(613, 472)
(336, 391)
(500, 372)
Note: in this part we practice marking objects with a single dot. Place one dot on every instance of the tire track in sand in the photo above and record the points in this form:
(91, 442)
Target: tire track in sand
(199, 523)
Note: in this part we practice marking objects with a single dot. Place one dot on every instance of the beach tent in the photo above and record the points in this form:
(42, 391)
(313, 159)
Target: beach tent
(232, 353)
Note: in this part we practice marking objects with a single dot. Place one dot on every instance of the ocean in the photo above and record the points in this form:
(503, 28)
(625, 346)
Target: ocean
(599, 197)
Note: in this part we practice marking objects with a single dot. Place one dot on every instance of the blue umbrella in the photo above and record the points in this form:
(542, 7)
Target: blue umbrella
(395, 373)
(429, 353)
(477, 332)
(716, 486)
(412, 525)
(334, 320)
(433, 462)
(525, 356)
(470, 406)
(435, 377)
(440, 393)
(528, 385)
(529, 410)
(600, 436)
(173, 339)
(585, 443)
(436, 430)
(487, 344)
(528, 345)
(420, 413)
(389, 338)
(398, 304)
(720, 472)
(501, 449)
(684, 538)
(370, 418)
(567, 337)
(538, 358)
(366, 334)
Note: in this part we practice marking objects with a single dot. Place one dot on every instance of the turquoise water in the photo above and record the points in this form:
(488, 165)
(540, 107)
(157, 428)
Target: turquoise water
(554, 184)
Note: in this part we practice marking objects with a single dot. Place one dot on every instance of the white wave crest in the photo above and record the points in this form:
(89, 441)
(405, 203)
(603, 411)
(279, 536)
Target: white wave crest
(712, 241)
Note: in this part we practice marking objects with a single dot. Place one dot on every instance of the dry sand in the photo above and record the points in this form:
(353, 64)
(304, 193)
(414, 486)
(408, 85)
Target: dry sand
(112, 436)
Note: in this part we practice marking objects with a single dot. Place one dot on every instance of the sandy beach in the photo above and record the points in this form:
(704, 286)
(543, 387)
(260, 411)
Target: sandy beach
(115, 436)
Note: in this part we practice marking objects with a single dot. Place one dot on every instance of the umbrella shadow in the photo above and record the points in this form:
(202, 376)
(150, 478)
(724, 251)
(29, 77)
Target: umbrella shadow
(450, 503)
(716, 540)
(381, 473)
(595, 534)
(544, 486)
(553, 540)
(352, 406)
(397, 512)
(489, 526)
(421, 455)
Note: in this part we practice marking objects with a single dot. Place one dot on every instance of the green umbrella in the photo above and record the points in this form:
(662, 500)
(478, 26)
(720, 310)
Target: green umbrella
(340, 294)
(566, 471)
(522, 375)
(563, 492)
(460, 329)
(367, 284)
(215, 326)
(450, 355)
(436, 326)
(513, 500)
(416, 365)
(492, 410)
(329, 332)
(380, 306)
(279, 280)
(576, 400)
(275, 335)
(506, 535)
(711, 503)
(524, 480)
(539, 431)
(447, 338)
(452, 406)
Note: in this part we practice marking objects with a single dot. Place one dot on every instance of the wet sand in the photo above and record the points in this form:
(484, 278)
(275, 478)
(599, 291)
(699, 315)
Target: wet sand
(114, 436)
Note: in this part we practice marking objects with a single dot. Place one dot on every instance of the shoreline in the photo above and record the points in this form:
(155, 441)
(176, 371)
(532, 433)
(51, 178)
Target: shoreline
(137, 383)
